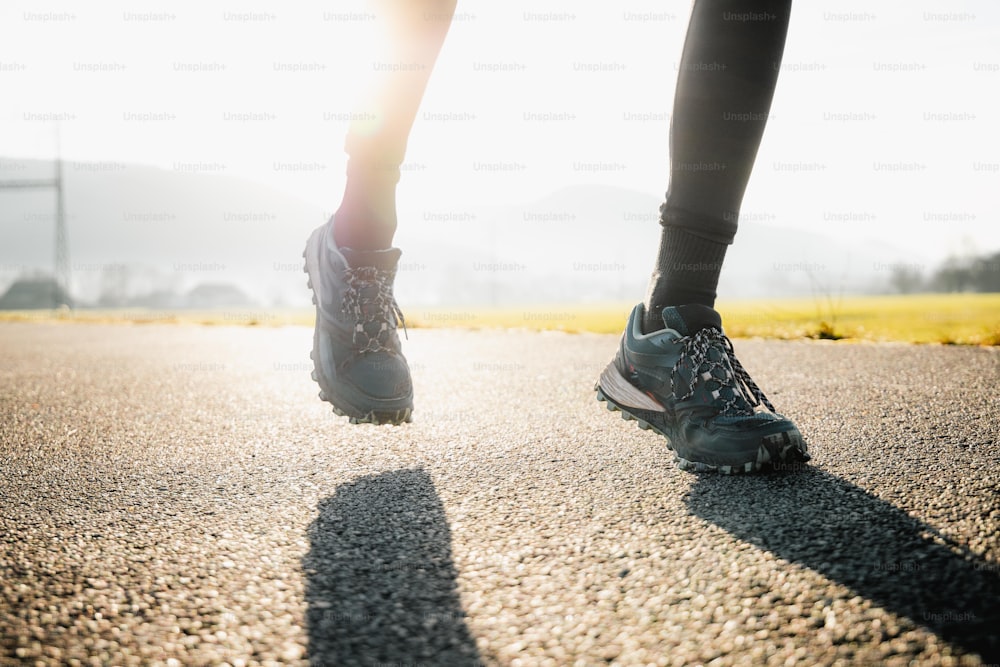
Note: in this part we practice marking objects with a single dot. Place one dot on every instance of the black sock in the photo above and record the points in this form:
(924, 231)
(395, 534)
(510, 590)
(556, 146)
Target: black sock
(687, 272)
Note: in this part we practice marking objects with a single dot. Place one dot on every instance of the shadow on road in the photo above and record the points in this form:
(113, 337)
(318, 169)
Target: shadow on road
(380, 582)
(855, 539)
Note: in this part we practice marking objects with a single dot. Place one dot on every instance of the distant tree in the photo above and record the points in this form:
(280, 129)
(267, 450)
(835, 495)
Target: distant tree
(906, 279)
(115, 279)
(955, 275)
(217, 295)
(35, 292)
(985, 273)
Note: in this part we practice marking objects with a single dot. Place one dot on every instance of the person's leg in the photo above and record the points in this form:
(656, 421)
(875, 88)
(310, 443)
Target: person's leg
(357, 357)
(376, 142)
(726, 79)
(675, 370)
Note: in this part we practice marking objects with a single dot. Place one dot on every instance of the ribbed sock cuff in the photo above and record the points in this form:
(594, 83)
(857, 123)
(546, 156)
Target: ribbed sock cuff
(687, 272)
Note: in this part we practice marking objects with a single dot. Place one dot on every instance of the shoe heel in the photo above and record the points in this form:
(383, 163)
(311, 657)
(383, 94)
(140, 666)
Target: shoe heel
(624, 393)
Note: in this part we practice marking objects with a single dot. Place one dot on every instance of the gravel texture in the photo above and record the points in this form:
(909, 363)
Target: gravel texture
(178, 495)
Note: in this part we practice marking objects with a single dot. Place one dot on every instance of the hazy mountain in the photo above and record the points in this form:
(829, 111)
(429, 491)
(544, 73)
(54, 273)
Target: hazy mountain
(597, 243)
(135, 230)
(156, 229)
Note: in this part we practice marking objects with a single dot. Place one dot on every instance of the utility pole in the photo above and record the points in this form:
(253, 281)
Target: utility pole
(62, 276)
(61, 270)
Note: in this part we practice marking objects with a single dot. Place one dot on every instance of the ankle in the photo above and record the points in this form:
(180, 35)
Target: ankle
(364, 223)
(366, 218)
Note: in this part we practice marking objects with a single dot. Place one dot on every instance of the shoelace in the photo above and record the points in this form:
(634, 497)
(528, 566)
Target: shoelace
(696, 348)
(367, 307)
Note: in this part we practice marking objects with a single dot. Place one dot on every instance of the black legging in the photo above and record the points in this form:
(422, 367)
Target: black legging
(726, 81)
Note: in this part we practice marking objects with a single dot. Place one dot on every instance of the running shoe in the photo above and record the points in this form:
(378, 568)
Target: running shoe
(685, 383)
(357, 359)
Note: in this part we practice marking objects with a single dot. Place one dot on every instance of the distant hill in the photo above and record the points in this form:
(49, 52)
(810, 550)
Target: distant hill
(598, 243)
(206, 296)
(175, 228)
(137, 231)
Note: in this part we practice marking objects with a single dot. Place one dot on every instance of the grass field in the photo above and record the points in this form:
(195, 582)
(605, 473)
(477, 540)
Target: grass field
(953, 319)
(958, 319)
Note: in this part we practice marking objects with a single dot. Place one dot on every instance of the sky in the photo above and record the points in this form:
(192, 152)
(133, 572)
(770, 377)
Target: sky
(883, 126)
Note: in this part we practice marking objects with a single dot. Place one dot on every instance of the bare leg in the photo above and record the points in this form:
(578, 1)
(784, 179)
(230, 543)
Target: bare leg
(376, 142)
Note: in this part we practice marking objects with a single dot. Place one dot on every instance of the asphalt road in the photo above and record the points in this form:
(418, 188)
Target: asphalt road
(178, 495)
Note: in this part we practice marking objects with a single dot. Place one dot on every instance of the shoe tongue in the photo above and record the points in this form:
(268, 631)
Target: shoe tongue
(383, 260)
(691, 318)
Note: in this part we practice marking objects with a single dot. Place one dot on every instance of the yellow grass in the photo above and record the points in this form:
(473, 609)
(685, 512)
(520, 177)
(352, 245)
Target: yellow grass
(220, 317)
(966, 319)
(962, 319)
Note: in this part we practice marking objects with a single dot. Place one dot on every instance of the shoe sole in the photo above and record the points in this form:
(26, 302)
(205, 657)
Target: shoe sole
(341, 406)
(355, 416)
(775, 452)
